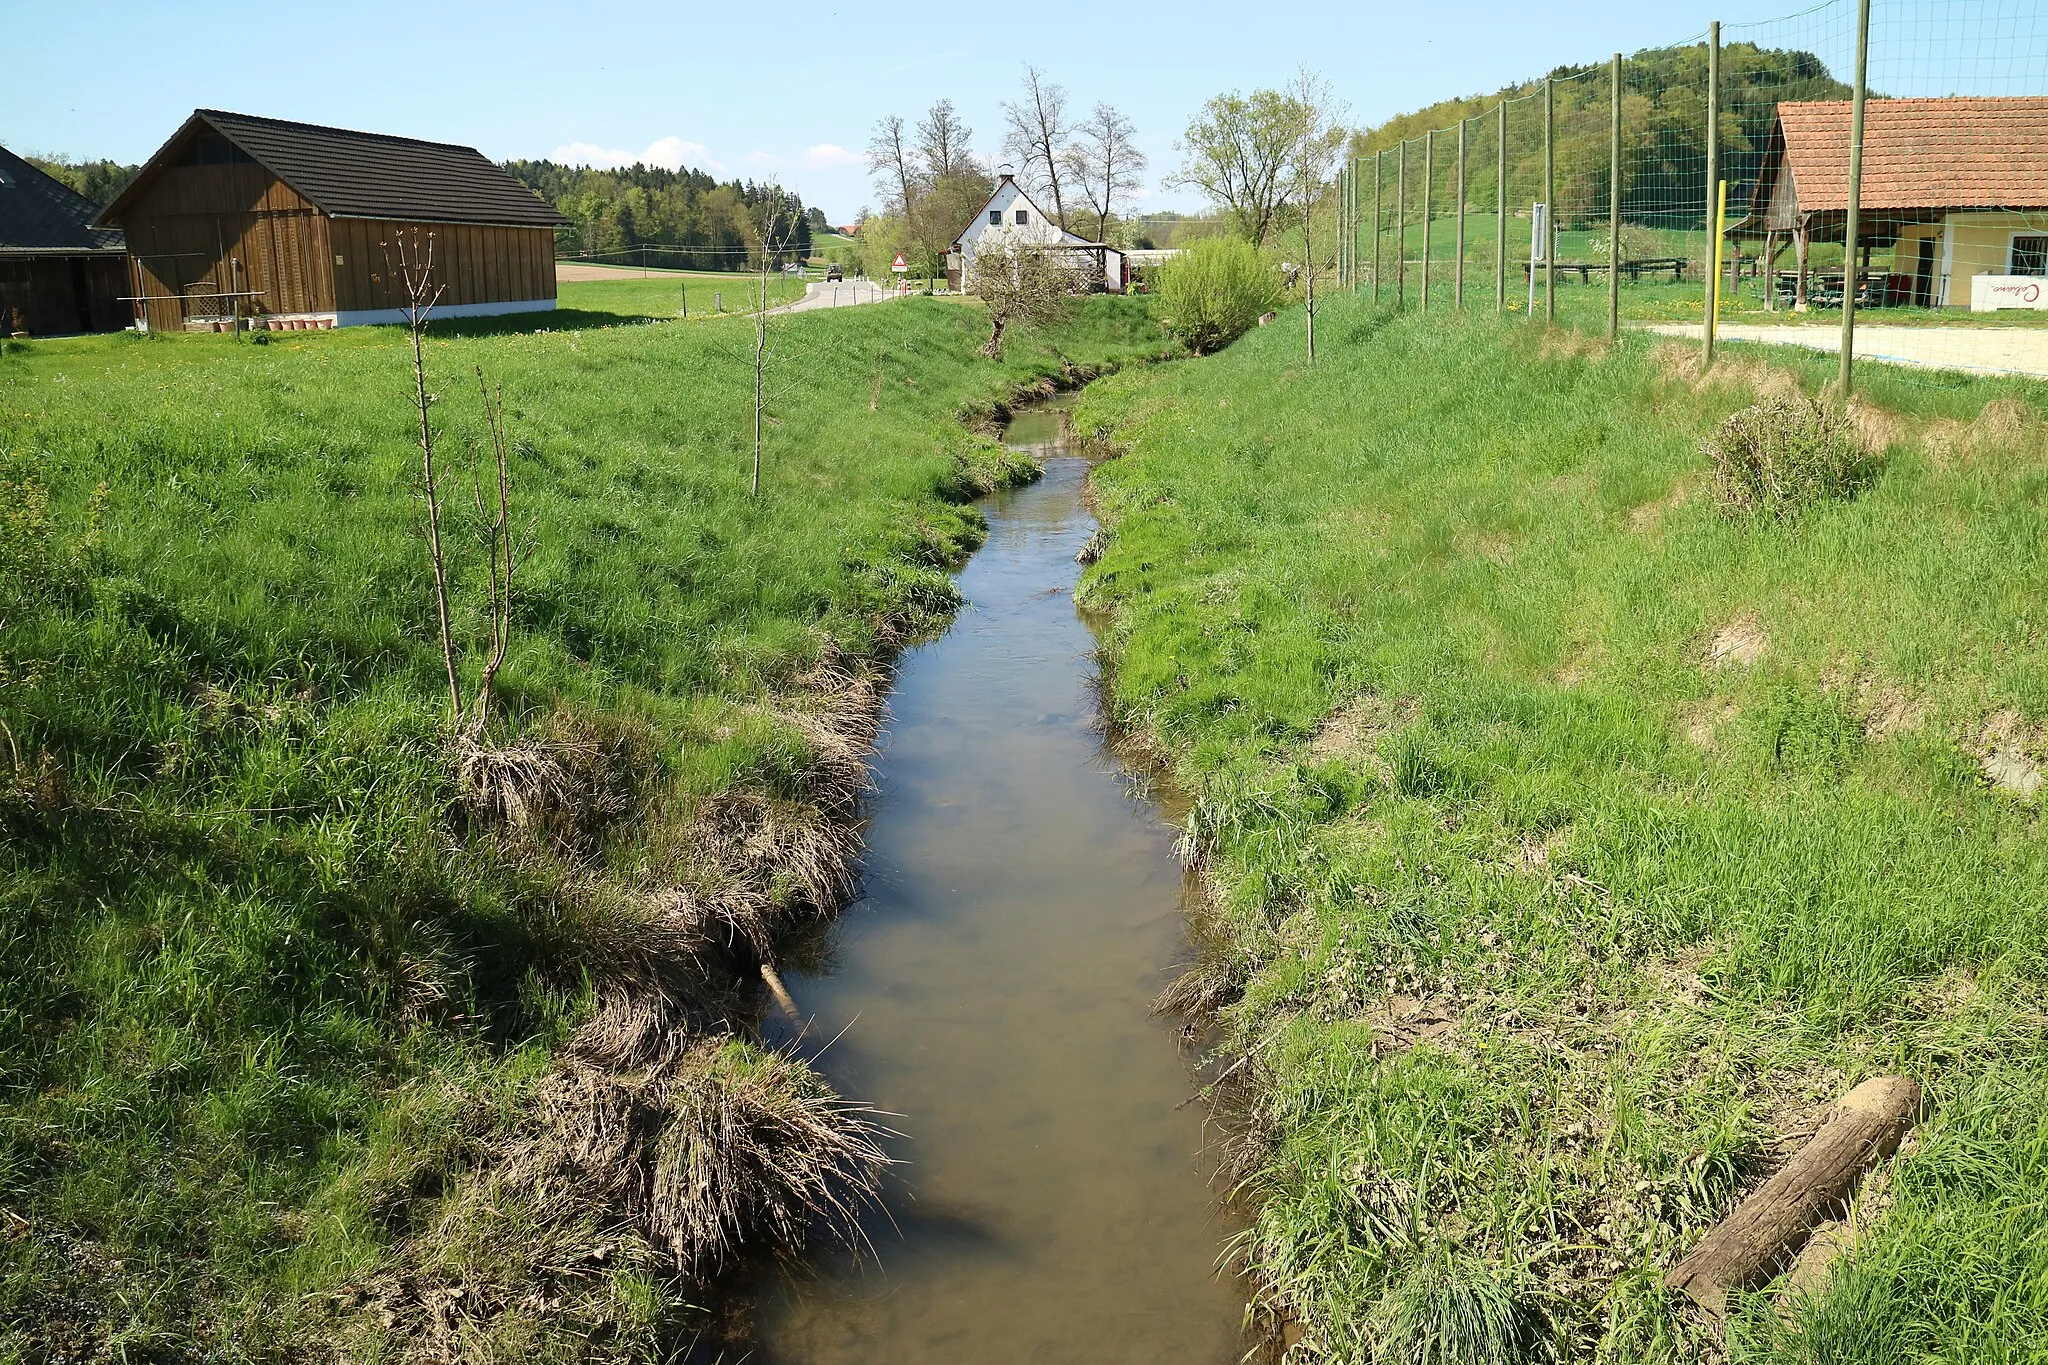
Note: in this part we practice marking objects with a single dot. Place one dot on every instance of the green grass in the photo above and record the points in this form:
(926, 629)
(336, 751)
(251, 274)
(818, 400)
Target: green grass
(267, 995)
(1544, 930)
(660, 294)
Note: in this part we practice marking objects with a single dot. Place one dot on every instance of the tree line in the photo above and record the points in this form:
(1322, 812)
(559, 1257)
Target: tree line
(706, 224)
(1664, 133)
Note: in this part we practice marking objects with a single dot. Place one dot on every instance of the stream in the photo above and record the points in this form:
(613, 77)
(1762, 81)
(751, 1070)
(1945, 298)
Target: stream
(991, 991)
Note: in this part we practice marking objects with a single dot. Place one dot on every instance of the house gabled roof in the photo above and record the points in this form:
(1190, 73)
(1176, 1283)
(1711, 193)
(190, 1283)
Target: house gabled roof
(349, 174)
(1066, 238)
(41, 215)
(1959, 152)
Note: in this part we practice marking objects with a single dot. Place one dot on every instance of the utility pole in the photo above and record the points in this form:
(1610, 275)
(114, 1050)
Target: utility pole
(1851, 276)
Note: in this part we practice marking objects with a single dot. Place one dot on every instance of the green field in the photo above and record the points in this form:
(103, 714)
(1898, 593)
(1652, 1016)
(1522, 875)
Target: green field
(661, 294)
(289, 1006)
(1572, 845)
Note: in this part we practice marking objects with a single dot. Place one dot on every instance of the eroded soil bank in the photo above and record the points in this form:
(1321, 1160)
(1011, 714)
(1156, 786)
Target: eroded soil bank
(1022, 910)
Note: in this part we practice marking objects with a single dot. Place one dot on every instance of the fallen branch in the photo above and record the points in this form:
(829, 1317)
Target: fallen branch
(1752, 1244)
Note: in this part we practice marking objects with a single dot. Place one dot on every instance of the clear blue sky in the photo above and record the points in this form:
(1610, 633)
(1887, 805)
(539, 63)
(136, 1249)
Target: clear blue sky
(701, 84)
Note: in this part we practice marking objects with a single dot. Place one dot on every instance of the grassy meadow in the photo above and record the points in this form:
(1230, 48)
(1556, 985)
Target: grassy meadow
(659, 295)
(284, 1003)
(1573, 844)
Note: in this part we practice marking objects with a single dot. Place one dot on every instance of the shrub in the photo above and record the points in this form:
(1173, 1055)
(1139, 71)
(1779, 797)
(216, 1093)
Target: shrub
(1216, 290)
(1782, 454)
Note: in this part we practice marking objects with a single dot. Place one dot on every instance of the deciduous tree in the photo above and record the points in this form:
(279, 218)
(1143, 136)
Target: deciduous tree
(1039, 137)
(1021, 286)
(1106, 164)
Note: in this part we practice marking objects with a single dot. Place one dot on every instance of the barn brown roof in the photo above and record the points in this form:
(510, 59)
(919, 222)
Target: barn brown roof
(352, 174)
(1958, 152)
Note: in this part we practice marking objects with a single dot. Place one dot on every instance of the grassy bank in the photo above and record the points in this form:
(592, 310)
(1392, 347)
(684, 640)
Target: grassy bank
(660, 294)
(1574, 845)
(326, 1036)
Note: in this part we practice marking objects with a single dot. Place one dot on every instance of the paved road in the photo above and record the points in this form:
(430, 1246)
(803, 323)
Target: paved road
(838, 295)
(1979, 350)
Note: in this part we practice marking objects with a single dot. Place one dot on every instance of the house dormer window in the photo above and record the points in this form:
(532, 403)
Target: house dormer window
(1023, 217)
(995, 217)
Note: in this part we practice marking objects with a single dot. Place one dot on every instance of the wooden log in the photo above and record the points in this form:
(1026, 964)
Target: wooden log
(1752, 1244)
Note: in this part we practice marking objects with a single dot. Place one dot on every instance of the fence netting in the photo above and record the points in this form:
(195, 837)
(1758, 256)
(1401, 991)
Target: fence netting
(1718, 170)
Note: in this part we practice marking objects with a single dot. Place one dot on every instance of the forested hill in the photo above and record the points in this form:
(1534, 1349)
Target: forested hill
(98, 181)
(713, 225)
(1664, 120)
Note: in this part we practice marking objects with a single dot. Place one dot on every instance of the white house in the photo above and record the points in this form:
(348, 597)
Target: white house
(1010, 219)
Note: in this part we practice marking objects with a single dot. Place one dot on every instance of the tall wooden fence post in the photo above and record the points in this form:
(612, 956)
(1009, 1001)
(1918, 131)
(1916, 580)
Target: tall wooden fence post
(1711, 296)
(1500, 217)
(1614, 207)
(1428, 179)
(1549, 201)
(1401, 229)
(1851, 276)
(1376, 225)
(1458, 273)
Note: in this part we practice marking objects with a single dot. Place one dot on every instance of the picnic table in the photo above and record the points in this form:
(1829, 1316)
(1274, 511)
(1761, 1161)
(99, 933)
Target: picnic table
(1631, 270)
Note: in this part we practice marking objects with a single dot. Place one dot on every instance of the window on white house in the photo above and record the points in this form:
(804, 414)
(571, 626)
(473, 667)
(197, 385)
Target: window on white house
(995, 217)
(2030, 256)
(1023, 217)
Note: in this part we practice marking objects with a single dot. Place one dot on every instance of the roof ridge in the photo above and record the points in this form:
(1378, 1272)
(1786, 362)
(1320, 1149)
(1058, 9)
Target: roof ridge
(211, 114)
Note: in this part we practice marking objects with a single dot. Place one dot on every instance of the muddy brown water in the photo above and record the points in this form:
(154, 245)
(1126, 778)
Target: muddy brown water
(1022, 907)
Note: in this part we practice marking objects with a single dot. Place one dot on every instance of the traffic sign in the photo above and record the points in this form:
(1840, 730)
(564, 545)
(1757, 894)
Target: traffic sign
(899, 265)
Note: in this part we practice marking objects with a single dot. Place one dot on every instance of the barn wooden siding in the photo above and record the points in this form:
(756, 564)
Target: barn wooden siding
(191, 222)
(472, 263)
(55, 295)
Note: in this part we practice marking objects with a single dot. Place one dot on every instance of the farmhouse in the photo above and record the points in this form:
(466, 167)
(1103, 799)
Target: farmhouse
(1011, 220)
(58, 273)
(1957, 188)
(292, 224)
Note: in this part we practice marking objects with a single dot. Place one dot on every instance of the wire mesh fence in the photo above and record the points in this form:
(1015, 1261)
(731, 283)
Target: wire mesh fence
(1754, 181)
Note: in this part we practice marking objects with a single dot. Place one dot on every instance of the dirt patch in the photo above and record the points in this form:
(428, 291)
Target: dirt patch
(1568, 343)
(1497, 546)
(1354, 729)
(1650, 515)
(2008, 752)
(1738, 644)
(1704, 720)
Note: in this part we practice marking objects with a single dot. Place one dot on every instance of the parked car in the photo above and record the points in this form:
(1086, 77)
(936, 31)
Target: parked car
(833, 272)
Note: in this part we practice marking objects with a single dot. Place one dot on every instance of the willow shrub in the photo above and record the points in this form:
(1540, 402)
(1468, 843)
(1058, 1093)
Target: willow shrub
(1216, 290)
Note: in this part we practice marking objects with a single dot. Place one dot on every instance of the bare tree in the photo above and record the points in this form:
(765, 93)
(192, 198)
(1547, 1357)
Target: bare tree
(1237, 151)
(1318, 141)
(1105, 163)
(504, 548)
(1021, 286)
(415, 277)
(1039, 136)
(890, 160)
(942, 139)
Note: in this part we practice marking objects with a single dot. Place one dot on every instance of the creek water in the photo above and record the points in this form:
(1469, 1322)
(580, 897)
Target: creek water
(1021, 909)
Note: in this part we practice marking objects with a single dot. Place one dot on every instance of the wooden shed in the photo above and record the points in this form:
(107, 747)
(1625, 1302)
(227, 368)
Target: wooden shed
(1955, 187)
(297, 225)
(58, 273)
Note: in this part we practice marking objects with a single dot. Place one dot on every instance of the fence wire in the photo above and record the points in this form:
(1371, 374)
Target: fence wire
(1587, 192)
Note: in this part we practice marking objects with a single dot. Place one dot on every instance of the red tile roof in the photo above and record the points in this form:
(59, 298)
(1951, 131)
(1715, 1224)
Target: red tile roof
(1959, 152)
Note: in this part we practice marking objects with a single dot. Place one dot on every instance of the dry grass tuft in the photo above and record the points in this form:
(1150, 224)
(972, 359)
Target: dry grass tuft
(2008, 751)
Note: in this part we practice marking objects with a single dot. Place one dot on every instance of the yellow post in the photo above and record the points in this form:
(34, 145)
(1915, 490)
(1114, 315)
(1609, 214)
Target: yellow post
(1720, 226)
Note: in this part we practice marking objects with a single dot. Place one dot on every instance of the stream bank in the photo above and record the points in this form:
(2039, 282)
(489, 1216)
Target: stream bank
(1022, 909)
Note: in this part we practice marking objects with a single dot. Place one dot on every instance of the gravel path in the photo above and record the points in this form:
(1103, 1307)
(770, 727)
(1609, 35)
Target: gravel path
(1980, 350)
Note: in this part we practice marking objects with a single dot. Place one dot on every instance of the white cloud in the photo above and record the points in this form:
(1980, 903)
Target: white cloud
(763, 159)
(830, 154)
(670, 153)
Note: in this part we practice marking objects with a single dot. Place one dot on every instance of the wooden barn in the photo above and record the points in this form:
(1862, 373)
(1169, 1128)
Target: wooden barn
(296, 225)
(58, 273)
(1955, 188)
